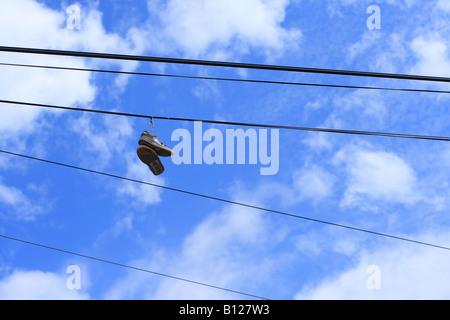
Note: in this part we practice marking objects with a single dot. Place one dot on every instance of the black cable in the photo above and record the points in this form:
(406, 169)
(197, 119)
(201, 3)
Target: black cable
(97, 55)
(242, 124)
(224, 79)
(132, 267)
(230, 201)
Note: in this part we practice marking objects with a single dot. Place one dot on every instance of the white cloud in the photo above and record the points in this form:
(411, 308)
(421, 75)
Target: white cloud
(310, 183)
(217, 28)
(313, 182)
(432, 54)
(376, 176)
(313, 242)
(362, 104)
(212, 253)
(37, 285)
(18, 205)
(38, 86)
(105, 140)
(405, 272)
(37, 26)
(40, 27)
(140, 194)
(215, 251)
(10, 196)
(368, 40)
(318, 141)
(443, 5)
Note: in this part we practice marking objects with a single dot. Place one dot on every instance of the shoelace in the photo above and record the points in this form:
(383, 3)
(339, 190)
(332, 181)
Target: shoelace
(156, 139)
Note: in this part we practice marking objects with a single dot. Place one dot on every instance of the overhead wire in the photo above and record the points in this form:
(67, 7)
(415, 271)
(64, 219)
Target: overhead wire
(233, 123)
(131, 267)
(229, 201)
(223, 79)
(228, 65)
(225, 64)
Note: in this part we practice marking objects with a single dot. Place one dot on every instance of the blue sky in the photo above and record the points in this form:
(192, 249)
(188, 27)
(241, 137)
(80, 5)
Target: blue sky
(392, 186)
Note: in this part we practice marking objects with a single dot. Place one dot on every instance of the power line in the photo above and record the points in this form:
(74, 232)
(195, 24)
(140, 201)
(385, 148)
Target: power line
(131, 267)
(228, 65)
(230, 201)
(224, 79)
(242, 124)
(240, 65)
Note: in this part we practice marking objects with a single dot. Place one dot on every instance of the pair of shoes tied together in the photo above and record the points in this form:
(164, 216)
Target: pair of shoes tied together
(149, 151)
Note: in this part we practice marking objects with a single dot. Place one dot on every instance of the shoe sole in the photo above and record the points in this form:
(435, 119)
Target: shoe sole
(150, 158)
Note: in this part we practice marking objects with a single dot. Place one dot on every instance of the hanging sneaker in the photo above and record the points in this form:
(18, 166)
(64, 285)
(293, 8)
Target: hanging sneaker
(151, 141)
(151, 159)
